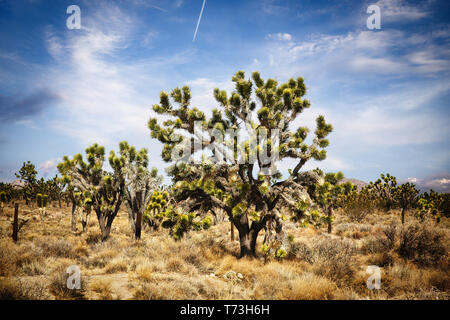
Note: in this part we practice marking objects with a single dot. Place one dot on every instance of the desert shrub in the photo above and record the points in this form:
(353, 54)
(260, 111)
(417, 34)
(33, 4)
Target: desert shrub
(333, 249)
(19, 290)
(57, 248)
(333, 259)
(390, 232)
(421, 244)
(116, 266)
(382, 259)
(375, 244)
(300, 250)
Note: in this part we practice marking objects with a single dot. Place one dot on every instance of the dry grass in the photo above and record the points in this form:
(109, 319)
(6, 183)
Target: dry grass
(413, 259)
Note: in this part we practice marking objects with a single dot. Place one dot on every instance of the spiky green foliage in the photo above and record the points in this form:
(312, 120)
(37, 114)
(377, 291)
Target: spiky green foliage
(328, 194)
(249, 192)
(9, 191)
(406, 196)
(55, 188)
(156, 208)
(41, 200)
(179, 223)
(139, 182)
(105, 189)
(3, 200)
(358, 204)
(432, 204)
(3, 197)
(160, 212)
(27, 174)
(384, 189)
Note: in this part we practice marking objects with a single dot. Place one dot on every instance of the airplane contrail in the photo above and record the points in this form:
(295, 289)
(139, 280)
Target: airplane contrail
(198, 22)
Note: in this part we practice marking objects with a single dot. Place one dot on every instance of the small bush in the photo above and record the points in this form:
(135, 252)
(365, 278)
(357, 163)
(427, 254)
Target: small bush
(19, 290)
(421, 244)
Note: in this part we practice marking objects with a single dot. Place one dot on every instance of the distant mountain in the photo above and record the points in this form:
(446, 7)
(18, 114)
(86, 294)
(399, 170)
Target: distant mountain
(359, 183)
(437, 182)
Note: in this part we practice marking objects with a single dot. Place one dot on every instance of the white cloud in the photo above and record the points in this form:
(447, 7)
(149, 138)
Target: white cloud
(280, 36)
(47, 166)
(103, 98)
(399, 10)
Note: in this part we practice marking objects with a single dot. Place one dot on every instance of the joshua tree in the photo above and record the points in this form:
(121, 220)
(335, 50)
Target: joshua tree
(3, 200)
(56, 188)
(155, 211)
(27, 174)
(358, 204)
(406, 197)
(384, 189)
(241, 177)
(330, 192)
(42, 200)
(105, 189)
(139, 182)
(85, 209)
(432, 203)
(17, 223)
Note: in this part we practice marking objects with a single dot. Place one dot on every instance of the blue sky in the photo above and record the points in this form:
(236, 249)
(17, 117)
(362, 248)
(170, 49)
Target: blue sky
(385, 91)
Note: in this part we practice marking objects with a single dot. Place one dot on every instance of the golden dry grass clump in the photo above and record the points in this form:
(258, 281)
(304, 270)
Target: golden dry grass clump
(413, 258)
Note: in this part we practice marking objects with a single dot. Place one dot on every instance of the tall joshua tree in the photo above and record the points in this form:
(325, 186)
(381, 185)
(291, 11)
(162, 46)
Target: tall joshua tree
(140, 182)
(384, 188)
(27, 174)
(406, 196)
(105, 189)
(241, 177)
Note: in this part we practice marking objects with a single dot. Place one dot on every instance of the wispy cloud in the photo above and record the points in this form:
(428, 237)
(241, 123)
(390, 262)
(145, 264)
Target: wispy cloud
(47, 166)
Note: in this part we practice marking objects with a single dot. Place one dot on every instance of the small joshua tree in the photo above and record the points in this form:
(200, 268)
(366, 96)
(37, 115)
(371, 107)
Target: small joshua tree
(85, 209)
(27, 174)
(431, 204)
(329, 193)
(241, 177)
(139, 182)
(105, 189)
(405, 196)
(3, 200)
(56, 188)
(42, 200)
(384, 189)
(155, 211)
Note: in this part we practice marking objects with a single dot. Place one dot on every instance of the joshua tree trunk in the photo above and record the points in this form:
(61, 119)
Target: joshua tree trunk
(247, 240)
(330, 214)
(85, 219)
(105, 222)
(138, 225)
(16, 222)
(74, 216)
(232, 230)
(403, 215)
